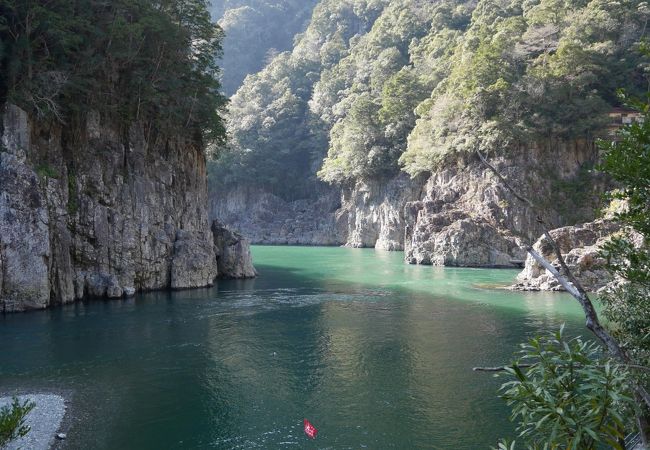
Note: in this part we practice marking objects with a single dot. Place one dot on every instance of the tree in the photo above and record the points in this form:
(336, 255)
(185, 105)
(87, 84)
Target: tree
(626, 340)
(627, 304)
(130, 60)
(566, 394)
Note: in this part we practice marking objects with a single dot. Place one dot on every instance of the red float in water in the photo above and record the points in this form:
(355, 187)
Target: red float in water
(310, 430)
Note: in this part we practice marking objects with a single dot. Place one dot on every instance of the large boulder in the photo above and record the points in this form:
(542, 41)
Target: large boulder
(452, 238)
(234, 258)
(580, 246)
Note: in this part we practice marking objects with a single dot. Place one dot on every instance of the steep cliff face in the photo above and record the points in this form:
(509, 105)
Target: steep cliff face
(234, 258)
(372, 212)
(91, 210)
(368, 214)
(461, 215)
(469, 218)
(265, 218)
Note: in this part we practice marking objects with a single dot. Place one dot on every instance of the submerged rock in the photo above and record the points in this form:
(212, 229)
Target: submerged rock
(234, 258)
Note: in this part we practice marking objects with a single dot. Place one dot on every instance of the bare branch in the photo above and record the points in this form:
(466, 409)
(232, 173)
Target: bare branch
(573, 287)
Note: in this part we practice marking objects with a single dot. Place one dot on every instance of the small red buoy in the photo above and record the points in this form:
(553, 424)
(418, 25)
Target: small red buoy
(310, 430)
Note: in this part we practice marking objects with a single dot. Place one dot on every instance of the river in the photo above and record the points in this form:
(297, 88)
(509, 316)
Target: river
(375, 353)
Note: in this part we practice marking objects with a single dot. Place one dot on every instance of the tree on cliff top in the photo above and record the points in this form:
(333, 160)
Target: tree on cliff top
(131, 60)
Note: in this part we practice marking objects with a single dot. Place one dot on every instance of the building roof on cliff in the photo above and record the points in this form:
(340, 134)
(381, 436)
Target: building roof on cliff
(623, 110)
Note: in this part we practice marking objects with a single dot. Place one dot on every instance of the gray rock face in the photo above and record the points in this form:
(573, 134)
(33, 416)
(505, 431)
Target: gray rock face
(233, 253)
(98, 211)
(469, 218)
(373, 212)
(265, 218)
(580, 246)
(193, 262)
(457, 239)
(462, 215)
(24, 237)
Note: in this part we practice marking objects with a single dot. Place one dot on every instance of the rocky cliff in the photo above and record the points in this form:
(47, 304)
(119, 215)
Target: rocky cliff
(234, 258)
(372, 212)
(460, 215)
(580, 246)
(93, 210)
(265, 218)
(468, 217)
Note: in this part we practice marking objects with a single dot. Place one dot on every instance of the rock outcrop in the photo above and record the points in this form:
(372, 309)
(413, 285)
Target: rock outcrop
(265, 218)
(461, 215)
(372, 212)
(96, 210)
(234, 258)
(468, 217)
(580, 246)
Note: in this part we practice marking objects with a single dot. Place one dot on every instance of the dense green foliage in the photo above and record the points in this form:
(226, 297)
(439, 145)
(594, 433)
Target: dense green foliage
(374, 86)
(128, 59)
(276, 142)
(569, 397)
(530, 70)
(627, 305)
(12, 421)
(255, 31)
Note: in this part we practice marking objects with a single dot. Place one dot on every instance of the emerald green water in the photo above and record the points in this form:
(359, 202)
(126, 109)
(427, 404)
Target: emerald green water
(375, 353)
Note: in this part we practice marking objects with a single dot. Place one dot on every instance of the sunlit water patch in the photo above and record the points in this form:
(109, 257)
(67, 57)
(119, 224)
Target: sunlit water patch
(376, 353)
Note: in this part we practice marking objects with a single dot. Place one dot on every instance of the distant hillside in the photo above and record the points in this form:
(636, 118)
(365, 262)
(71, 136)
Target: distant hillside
(378, 86)
(256, 30)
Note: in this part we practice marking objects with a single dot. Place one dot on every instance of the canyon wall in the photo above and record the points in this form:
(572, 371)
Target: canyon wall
(91, 210)
(460, 215)
(468, 217)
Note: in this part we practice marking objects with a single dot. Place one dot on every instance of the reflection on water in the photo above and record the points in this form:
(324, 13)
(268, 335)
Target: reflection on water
(377, 354)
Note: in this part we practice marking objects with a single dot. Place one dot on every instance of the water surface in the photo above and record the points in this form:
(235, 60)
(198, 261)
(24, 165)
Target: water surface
(375, 353)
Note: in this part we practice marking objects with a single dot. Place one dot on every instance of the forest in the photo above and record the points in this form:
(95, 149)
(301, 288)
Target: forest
(372, 87)
(255, 32)
(130, 60)
(506, 143)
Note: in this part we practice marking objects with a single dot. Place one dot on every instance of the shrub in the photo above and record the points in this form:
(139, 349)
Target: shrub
(12, 420)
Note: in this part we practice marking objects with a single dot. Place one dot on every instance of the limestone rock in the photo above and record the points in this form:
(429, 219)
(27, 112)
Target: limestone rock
(265, 218)
(373, 212)
(580, 247)
(468, 217)
(233, 253)
(24, 238)
(460, 241)
(194, 263)
(461, 215)
(114, 213)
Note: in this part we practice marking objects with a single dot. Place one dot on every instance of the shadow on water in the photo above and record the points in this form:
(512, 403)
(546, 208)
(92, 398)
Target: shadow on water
(376, 353)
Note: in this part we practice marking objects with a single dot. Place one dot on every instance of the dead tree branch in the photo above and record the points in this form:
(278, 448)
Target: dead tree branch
(572, 286)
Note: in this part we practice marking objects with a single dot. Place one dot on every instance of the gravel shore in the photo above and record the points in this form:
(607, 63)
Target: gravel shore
(44, 420)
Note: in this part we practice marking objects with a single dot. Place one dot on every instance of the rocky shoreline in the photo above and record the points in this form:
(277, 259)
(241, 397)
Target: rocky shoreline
(461, 215)
(44, 421)
(580, 246)
(98, 211)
